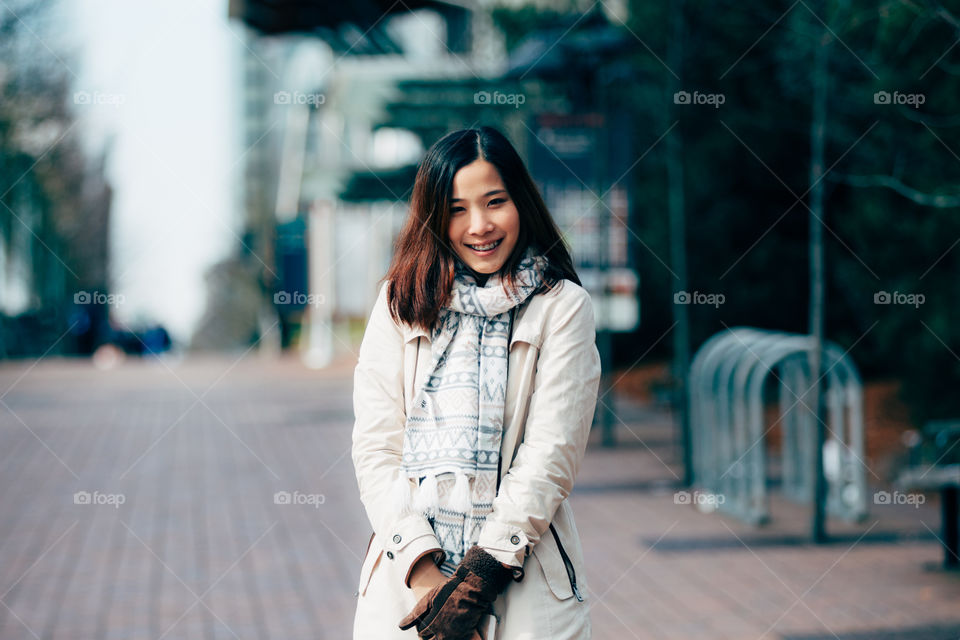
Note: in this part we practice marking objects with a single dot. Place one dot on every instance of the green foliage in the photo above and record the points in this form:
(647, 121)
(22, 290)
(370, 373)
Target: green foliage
(54, 198)
(747, 175)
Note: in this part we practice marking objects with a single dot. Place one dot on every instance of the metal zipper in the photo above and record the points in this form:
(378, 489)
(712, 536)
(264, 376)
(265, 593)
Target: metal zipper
(571, 574)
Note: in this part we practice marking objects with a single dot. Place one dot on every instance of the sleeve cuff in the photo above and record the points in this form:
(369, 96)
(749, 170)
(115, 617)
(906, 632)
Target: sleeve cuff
(505, 543)
(407, 541)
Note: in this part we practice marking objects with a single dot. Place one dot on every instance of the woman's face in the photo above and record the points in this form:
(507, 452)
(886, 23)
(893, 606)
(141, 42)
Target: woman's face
(484, 223)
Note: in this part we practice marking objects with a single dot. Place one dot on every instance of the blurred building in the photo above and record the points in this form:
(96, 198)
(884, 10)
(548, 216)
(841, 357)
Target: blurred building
(323, 175)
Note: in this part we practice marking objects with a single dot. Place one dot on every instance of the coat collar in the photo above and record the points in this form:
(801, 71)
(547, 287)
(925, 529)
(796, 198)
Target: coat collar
(526, 325)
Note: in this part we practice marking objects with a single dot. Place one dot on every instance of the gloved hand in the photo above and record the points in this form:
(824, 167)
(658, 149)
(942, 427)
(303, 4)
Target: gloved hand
(452, 610)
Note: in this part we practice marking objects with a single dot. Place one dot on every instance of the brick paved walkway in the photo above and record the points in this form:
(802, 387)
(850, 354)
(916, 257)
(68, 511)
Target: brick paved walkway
(180, 534)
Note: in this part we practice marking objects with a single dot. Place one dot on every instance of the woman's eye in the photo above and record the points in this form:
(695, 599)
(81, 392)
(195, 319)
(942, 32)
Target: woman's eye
(457, 210)
(498, 201)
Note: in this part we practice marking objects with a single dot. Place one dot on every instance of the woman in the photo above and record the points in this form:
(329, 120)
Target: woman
(474, 394)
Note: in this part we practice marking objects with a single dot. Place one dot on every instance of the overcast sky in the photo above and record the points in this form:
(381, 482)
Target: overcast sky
(160, 77)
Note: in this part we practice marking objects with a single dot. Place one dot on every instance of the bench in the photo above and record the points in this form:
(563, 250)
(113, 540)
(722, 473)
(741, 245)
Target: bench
(946, 480)
(939, 442)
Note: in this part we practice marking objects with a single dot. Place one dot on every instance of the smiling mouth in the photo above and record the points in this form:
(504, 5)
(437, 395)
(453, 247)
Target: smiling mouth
(483, 248)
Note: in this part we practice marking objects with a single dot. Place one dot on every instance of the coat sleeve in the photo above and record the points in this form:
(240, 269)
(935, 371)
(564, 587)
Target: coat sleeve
(555, 435)
(378, 405)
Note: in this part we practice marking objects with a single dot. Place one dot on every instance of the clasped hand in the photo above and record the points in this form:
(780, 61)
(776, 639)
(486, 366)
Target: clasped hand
(452, 608)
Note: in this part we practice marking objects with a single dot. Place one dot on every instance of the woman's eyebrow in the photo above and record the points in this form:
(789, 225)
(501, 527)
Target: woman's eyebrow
(488, 193)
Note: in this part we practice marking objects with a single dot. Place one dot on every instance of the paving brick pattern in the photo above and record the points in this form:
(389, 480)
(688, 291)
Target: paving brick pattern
(183, 535)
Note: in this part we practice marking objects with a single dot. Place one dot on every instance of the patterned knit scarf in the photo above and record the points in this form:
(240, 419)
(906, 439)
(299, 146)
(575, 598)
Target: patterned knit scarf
(454, 427)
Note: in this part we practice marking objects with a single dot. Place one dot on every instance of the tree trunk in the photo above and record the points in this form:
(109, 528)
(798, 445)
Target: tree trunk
(818, 125)
(678, 253)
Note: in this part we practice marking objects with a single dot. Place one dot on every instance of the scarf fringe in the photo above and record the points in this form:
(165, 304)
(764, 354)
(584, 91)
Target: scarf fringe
(427, 496)
(460, 497)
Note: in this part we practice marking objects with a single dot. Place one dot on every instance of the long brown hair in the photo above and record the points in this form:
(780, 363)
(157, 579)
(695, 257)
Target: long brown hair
(422, 272)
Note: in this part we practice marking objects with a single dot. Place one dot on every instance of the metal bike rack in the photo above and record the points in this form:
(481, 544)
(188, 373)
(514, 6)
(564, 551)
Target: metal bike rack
(727, 380)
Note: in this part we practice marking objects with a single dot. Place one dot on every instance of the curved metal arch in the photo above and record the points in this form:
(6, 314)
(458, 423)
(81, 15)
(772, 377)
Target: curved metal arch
(727, 378)
(703, 410)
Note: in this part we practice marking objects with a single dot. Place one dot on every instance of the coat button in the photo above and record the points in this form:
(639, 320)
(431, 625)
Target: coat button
(514, 539)
(397, 539)
(390, 554)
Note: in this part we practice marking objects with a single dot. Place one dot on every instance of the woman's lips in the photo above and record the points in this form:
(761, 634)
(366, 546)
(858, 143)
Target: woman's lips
(485, 252)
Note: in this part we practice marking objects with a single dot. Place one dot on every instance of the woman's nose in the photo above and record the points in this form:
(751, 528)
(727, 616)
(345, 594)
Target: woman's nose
(480, 222)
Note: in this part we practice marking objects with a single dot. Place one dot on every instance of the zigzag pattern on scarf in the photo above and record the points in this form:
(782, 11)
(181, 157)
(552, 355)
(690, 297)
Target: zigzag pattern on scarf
(453, 431)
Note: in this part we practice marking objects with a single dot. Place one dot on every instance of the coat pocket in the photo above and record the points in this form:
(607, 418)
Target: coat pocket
(370, 562)
(557, 567)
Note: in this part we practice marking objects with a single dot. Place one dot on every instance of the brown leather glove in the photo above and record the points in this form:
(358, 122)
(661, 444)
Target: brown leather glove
(452, 610)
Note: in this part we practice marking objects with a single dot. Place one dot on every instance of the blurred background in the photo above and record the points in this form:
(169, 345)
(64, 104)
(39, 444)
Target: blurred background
(761, 198)
(211, 176)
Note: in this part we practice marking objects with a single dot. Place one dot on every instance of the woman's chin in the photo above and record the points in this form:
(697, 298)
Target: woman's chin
(482, 267)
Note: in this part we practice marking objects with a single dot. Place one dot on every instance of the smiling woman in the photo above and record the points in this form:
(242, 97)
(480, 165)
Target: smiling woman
(474, 393)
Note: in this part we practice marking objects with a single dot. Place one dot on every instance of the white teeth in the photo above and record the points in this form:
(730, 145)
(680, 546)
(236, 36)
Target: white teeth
(485, 247)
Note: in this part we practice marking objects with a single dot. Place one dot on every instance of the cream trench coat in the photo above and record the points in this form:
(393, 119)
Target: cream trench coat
(552, 381)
